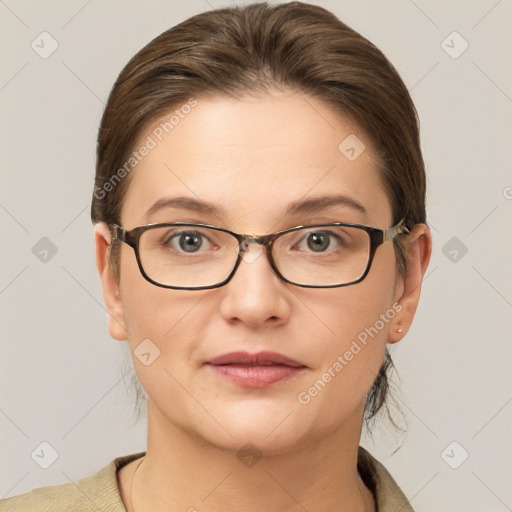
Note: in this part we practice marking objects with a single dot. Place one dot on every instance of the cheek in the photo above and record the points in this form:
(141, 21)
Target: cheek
(350, 350)
(359, 326)
(162, 326)
(359, 312)
(159, 320)
(348, 363)
(149, 311)
(166, 316)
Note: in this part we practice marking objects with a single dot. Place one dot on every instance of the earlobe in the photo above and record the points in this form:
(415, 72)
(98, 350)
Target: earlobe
(109, 283)
(419, 249)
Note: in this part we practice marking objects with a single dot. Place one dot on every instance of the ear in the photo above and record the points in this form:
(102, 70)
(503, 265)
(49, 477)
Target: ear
(111, 295)
(418, 246)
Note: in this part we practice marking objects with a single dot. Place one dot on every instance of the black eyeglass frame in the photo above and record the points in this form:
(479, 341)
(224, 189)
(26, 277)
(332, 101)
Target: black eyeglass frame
(377, 237)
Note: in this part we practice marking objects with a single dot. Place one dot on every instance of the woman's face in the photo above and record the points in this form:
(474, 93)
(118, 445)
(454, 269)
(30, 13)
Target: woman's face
(251, 159)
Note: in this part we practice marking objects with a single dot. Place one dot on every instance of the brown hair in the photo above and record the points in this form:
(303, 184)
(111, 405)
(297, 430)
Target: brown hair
(251, 50)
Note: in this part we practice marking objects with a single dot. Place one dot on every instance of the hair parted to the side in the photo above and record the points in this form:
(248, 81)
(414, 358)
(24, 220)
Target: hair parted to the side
(251, 50)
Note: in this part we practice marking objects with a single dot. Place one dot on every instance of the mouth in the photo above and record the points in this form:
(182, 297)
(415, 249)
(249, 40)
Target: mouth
(255, 370)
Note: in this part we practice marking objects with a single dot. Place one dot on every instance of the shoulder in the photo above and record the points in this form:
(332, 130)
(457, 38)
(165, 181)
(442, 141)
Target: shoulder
(388, 495)
(97, 492)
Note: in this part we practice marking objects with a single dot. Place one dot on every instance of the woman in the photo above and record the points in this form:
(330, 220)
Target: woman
(259, 211)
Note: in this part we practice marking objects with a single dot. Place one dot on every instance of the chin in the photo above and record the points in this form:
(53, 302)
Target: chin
(255, 443)
(266, 434)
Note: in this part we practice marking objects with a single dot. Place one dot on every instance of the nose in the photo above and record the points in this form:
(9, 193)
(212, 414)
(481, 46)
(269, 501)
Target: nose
(255, 295)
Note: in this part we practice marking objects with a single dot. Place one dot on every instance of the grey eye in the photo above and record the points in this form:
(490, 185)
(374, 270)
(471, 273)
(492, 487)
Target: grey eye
(190, 242)
(319, 241)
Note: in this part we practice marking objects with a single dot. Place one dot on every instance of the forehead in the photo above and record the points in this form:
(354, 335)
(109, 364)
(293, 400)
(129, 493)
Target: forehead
(254, 156)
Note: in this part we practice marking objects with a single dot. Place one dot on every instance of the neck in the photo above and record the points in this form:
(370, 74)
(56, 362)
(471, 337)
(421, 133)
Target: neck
(182, 471)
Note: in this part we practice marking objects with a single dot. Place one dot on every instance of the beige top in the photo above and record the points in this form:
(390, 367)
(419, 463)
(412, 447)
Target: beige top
(100, 492)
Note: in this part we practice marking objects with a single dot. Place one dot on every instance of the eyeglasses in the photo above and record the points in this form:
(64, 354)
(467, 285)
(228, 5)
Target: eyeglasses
(185, 256)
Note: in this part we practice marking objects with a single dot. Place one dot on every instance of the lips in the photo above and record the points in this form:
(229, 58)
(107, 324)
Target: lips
(255, 370)
(260, 359)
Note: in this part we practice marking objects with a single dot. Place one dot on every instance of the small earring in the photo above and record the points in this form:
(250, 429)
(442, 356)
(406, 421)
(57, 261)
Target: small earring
(399, 330)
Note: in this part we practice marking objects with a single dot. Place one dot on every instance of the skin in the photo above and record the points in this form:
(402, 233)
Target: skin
(252, 157)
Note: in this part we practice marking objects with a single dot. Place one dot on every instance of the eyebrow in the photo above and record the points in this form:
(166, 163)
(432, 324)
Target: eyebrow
(312, 205)
(184, 203)
(316, 204)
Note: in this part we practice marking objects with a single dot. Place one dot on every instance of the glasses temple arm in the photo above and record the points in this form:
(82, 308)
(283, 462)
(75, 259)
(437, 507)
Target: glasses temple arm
(390, 233)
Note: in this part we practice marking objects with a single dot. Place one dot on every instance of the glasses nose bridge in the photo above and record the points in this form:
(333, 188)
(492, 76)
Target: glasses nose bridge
(263, 240)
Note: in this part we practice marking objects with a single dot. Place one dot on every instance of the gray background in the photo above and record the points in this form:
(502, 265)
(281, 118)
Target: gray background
(65, 381)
